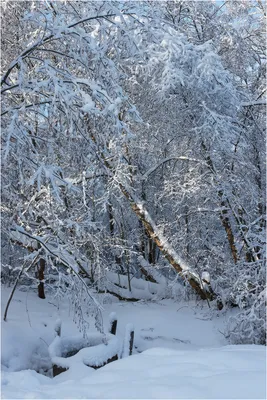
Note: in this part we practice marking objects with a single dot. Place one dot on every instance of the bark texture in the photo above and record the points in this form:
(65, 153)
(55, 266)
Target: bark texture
(41, 269)
(166, 251)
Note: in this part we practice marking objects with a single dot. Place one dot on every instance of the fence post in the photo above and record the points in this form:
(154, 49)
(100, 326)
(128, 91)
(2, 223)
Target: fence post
(113, 323)
(128, 341)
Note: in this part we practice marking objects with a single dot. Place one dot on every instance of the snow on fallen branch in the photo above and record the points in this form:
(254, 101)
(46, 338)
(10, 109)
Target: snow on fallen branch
(136, 283)
(94, 351)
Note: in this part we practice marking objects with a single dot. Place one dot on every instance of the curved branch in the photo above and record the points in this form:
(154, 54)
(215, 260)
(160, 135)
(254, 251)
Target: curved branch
(164, 161)
(46, 39)
(64, 262)
(27, 106)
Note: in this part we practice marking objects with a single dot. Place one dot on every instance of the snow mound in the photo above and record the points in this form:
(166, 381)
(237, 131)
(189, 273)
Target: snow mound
(95, 350)
(230, 372)
(140, 289)
(24, 348)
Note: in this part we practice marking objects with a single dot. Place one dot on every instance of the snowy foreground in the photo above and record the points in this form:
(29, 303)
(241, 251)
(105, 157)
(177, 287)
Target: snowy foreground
(179, 353)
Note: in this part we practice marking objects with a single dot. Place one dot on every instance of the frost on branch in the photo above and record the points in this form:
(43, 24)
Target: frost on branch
(129, 131)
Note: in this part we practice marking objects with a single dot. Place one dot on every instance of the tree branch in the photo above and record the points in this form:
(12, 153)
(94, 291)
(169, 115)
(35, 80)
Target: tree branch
(165, 160)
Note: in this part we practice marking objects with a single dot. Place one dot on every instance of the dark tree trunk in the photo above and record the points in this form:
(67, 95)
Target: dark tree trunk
(152, 251)
(142, 239)
(229, 232)
(112, 230)
(41, 269)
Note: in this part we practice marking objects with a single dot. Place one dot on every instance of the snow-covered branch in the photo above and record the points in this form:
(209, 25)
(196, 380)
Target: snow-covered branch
(254, 103)
(166, 160)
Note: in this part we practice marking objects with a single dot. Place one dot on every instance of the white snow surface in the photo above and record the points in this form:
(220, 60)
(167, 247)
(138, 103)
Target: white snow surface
(140, 289)
(179, 353)
(92, 351)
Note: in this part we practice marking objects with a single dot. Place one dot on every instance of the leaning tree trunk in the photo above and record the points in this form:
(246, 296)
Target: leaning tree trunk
(166, 249)
(161, 242)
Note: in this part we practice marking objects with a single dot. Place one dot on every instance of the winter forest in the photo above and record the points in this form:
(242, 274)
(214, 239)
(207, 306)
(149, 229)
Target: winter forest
(133, 195)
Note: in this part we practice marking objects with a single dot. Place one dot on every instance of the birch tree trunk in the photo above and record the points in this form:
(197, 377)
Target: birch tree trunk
(165, 248)
(161, 242)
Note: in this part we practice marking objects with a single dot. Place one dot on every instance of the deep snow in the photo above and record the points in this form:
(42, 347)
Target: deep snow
(184, 354)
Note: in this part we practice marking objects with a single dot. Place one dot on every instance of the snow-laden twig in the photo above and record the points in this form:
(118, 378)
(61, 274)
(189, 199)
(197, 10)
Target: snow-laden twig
(67, 260)
(165, 160)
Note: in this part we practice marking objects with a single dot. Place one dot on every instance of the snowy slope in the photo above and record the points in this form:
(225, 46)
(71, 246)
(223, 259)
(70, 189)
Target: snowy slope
(183, 354)
(231, 372)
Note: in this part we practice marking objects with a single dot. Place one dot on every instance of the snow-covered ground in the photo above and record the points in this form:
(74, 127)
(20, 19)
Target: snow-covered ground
(179, 352)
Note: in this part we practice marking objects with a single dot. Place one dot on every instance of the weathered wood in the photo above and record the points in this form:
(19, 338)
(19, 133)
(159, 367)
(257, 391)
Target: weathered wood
(128, 341)
(118, 296)
(58, 370)
(131, 343)
(114, 358)
(113, 328)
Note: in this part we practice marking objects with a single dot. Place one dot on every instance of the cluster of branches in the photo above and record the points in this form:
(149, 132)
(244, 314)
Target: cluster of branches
(137, 128)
